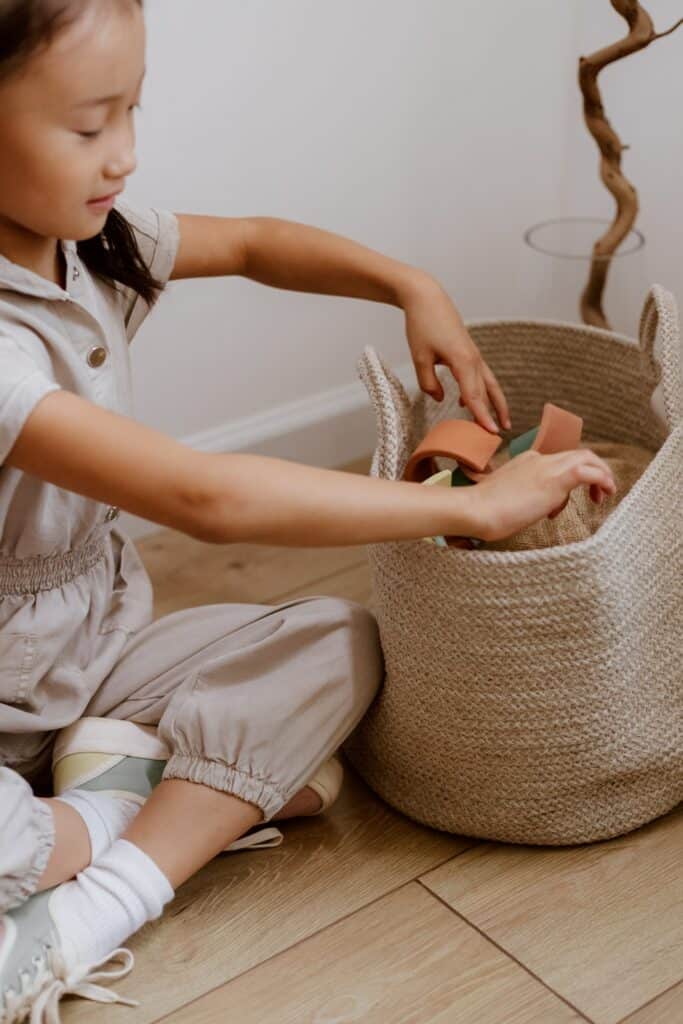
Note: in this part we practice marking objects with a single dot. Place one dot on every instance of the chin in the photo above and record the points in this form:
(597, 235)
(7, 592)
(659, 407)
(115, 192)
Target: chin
(93, 228)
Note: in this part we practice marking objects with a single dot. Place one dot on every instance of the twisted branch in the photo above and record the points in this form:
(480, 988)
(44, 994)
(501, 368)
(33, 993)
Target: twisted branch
(641, 34)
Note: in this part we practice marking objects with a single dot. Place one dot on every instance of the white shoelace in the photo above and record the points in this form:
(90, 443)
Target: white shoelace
(40, 994)
(262, 839)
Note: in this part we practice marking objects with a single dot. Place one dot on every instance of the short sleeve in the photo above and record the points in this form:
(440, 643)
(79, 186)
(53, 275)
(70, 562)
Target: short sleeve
(157, 234)
(22, 385)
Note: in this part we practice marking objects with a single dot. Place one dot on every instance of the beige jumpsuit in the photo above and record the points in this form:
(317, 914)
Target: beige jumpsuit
(250, 699)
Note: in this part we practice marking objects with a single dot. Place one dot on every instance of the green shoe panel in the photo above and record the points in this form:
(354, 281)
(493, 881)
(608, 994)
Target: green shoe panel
(131, 775)
(37, 967)
(31, 930)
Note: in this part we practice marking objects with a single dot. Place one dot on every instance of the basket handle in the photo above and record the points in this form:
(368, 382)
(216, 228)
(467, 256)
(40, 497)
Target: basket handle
(659, 338)
(393, 414)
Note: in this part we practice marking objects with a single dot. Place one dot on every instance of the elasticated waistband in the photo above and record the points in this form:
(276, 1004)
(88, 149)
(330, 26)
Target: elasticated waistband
(47, 572)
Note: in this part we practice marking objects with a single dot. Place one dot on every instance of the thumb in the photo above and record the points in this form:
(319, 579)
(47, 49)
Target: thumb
(429, 382)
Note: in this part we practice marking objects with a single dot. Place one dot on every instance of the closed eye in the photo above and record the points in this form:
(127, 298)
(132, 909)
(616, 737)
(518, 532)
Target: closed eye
(94, 135)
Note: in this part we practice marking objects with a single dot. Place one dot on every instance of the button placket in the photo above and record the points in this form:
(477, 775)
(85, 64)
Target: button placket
(96, 355)
(73, 271)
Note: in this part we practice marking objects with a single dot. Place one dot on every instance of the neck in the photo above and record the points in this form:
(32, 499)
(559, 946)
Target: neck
(34, 252)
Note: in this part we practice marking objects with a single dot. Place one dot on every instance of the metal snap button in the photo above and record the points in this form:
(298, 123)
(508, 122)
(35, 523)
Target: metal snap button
(112, 513)
(97, 355)
(76, 273)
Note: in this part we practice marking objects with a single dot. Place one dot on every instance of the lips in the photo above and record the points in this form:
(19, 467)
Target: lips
(103, 199)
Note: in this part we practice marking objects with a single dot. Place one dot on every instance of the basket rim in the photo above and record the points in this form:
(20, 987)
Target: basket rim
(575, 328)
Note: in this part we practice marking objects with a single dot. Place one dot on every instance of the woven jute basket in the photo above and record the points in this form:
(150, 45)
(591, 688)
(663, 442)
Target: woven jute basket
(536, 696)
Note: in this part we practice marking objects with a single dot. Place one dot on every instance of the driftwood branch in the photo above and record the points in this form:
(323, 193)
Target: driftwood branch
(641, 33)
(660, 35)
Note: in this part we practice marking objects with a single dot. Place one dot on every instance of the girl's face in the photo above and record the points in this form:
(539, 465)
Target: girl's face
(67, 132)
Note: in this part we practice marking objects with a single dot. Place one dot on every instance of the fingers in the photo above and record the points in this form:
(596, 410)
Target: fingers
(480, 392)
(586, 457)
(588, 468)
(475, 396)
(577, 467)
(496, 395)
(428, 380)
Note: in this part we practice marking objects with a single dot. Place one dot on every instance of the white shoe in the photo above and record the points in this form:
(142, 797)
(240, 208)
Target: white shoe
(327, 781)
(37, 968)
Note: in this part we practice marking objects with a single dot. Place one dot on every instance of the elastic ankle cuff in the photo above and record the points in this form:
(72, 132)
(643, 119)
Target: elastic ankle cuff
(228, 779)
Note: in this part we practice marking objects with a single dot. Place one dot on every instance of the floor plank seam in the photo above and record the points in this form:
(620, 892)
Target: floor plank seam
(453, 856)
(331, 924)
(475, 844)
(506, 953)
(323, 579)
(286, 949)
(638, 1009)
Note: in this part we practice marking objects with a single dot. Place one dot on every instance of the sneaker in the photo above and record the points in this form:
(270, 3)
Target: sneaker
(37, 968)
(108, 755)
(126, 759)
(327, 781)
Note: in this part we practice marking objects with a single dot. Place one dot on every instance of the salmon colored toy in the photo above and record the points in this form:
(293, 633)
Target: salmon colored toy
(474, 448)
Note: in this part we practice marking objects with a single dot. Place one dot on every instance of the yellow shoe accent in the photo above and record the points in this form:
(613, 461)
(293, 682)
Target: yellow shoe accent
(75, 769)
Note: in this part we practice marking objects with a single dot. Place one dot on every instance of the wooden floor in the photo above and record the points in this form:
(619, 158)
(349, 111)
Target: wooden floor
(362, 915)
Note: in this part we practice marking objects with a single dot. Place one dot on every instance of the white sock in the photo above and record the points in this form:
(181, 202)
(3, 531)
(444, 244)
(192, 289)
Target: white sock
(109, 901)
(106, 817)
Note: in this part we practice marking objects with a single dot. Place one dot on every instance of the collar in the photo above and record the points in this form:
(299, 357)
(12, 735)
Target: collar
(21, 279)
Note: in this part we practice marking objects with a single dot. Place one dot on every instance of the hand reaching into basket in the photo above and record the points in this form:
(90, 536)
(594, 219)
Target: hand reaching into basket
(437, 336)
(532, 486)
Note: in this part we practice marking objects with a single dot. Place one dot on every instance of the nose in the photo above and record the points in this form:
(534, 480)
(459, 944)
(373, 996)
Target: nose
(122, 166)
(123, 160)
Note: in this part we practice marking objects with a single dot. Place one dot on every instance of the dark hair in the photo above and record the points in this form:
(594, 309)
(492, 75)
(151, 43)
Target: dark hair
(27, 26)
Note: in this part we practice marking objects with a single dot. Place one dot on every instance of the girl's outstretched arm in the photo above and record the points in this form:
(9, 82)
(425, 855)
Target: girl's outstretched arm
(259, 499)
(298, 257)
(222, 498)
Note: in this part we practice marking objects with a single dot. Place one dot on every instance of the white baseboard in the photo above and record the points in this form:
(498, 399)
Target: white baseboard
(327, 429)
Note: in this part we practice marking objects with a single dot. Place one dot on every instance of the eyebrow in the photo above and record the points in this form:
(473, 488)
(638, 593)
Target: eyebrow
(105, 99)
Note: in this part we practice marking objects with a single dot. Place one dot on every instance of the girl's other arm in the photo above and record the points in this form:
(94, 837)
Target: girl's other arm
(298, 257)
(290, 255)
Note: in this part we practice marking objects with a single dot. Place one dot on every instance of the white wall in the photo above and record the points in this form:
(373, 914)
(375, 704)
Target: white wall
(435, 132)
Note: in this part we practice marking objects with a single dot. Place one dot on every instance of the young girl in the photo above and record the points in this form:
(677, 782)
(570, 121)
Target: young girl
(185, 733)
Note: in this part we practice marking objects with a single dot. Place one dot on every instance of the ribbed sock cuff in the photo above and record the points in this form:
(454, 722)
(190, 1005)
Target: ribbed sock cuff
(108, 902)
(128, 860)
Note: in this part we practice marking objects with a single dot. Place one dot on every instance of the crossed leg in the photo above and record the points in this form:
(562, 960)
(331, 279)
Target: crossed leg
(71, 852)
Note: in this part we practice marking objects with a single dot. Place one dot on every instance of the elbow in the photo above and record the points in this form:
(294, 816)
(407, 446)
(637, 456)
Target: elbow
(207, 508)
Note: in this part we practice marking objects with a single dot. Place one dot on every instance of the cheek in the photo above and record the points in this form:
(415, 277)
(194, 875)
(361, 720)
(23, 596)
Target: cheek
(20, 172)
(42, 177)
(52, 164)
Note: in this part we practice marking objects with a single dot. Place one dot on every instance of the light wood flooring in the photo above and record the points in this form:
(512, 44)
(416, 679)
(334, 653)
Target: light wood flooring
(362, 915)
